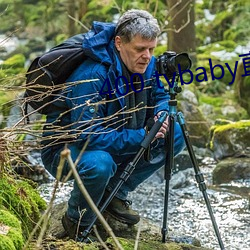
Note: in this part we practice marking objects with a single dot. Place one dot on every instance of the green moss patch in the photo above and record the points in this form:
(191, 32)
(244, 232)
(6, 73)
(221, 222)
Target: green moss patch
(10, 231)
(22, 200)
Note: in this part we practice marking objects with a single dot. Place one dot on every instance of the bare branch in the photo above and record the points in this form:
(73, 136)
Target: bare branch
(66, 154)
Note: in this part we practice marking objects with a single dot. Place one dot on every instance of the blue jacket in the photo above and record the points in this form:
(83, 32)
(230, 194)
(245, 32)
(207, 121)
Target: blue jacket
(100, 117)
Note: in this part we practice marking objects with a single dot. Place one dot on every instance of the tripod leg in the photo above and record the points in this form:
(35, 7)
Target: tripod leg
(168, 173)
(199, 176)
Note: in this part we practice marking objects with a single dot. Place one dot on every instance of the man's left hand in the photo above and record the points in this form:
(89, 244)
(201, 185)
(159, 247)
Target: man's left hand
(163, 129)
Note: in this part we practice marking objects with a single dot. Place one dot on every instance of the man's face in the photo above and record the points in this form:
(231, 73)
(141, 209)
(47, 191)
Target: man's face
(137, 53)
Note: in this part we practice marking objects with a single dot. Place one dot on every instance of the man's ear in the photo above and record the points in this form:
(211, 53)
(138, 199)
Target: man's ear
(118, 42)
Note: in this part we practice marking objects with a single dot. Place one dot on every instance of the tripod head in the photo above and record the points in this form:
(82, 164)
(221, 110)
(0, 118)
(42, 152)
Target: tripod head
(167, 64)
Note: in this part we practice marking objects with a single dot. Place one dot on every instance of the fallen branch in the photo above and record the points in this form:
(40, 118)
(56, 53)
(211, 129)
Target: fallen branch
(66, 155)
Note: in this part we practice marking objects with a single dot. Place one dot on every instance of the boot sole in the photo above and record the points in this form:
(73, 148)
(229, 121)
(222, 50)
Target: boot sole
(121, 219)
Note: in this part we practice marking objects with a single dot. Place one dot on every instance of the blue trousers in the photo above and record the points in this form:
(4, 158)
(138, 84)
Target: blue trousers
(100, 170)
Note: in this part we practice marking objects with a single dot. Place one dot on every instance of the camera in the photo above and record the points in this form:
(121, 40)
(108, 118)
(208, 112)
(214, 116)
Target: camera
(168, 62)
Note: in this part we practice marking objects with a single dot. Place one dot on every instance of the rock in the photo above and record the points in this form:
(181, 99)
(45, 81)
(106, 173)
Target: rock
(149, 238)
(181, 179)
(206, 109)
(189, 96)
(231, 169)
(183, 161)
(228, 110)
(197, 125)
(229, 140)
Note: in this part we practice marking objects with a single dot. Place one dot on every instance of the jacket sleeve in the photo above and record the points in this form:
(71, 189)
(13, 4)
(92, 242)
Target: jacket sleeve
(88, 116)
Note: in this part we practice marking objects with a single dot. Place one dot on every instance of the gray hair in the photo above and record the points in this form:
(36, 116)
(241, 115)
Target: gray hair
(137, 22)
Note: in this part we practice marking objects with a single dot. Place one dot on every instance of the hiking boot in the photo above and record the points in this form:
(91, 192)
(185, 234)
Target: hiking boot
(121, 211)
(75, 231)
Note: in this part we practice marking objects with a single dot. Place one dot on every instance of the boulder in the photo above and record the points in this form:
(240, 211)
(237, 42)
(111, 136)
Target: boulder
(231, 169)
(231, 139)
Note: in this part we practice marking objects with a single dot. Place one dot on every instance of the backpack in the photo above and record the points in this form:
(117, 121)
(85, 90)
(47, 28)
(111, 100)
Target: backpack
(47, 74)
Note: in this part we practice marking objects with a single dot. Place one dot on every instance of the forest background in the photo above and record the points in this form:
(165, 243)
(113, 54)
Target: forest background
(206, 29)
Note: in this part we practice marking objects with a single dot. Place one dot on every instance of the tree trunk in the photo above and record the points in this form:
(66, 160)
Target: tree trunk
(181, 34)
(72, 13)
(83, 7)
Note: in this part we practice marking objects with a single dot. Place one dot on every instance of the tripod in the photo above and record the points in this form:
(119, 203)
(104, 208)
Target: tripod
(168, 165)
(173, 90)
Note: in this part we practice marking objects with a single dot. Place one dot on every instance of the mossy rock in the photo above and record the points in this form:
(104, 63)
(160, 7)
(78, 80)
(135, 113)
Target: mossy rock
(128, 244)
(231, 169)
(232, 139)
(10, 231)
(22, 200)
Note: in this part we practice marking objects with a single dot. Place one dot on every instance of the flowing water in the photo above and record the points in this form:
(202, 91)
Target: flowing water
(187, 212)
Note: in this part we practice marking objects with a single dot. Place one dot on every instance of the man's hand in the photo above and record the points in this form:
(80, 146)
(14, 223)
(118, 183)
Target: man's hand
(164, 128)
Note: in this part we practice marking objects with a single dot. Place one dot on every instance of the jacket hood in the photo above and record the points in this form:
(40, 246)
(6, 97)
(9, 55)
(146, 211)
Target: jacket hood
(98, 42)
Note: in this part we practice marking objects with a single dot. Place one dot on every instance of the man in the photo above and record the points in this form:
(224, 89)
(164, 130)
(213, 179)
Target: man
(108, 115)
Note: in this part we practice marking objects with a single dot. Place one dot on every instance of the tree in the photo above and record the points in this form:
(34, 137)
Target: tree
(181, 27)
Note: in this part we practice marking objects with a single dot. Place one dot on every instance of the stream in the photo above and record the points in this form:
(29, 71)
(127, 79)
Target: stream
(187, 212)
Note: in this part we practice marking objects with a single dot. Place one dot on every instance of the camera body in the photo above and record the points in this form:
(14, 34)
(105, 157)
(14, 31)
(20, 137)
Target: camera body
(169, 63)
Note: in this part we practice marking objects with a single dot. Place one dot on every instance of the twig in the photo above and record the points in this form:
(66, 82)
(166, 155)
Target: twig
(66, 154)
(137, 236)
(99, 238)
(77, 21)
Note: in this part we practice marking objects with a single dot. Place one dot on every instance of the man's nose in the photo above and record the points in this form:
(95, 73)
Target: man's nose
(146, 54)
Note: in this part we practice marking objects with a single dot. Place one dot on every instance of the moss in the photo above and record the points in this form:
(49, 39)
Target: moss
(128, 244)
(219, 102)
(22, 200)
(16, 237)
(221, 132)
(214, 101)
(12, 71)
(13, 239)
(16, 61)
(6, 243)
(236, 125)
(9, 219)
(222, 122)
